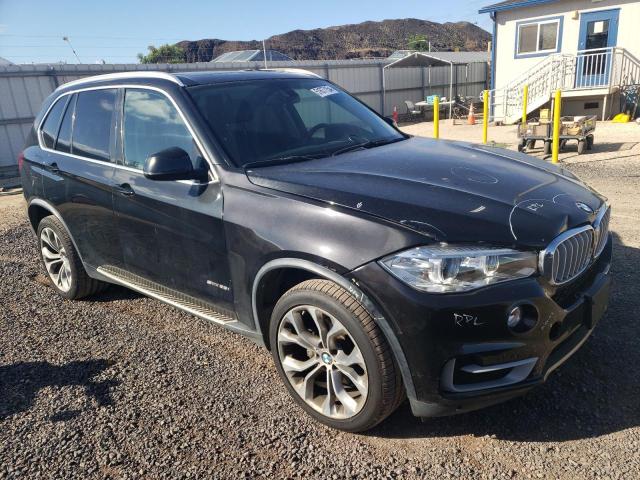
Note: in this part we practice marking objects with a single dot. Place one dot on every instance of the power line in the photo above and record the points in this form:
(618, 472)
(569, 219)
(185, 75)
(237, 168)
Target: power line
(65, 46)
(101, 46)
(21, 35)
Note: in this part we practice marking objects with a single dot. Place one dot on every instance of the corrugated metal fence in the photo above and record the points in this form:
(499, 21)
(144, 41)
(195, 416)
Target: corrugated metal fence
(24, 87)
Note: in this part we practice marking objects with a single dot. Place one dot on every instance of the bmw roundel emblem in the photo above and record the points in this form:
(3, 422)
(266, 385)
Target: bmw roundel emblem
(584, 207)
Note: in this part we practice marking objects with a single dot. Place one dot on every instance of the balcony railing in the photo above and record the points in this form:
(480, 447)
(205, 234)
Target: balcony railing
(586, 70)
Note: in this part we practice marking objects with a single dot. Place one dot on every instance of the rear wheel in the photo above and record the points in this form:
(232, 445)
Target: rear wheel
(333, 358)
(589, 142)
(62, 262)
(547, 147)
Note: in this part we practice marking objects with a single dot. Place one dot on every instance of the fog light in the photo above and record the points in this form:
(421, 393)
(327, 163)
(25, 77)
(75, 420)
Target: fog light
(522, 318)
(514, 318)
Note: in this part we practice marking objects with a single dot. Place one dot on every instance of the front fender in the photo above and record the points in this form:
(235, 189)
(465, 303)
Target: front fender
(354, 290)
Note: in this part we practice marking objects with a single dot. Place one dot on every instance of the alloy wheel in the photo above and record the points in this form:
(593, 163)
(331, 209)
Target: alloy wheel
(55, 259)
(322, 362)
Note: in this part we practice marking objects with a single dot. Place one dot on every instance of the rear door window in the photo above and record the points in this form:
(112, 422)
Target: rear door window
(52, 123)
(92, 128)
(152, 124)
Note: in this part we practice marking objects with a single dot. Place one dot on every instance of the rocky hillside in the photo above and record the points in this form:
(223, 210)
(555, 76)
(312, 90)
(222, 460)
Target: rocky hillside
(368, 39)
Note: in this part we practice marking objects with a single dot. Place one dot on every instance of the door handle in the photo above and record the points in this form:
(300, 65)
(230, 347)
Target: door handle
(124, 189)
(53, 167)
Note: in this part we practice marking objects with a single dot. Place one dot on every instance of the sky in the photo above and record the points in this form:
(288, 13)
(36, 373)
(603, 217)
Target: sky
(117, 30)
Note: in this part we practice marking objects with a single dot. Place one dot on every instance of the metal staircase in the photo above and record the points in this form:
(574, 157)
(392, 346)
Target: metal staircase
(588, 72)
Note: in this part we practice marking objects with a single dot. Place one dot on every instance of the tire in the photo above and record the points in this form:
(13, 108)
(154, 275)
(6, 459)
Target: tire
(589, 142)
(582, 146)
(66, 272)
(521, 145)
(547, 147)
(357, 346)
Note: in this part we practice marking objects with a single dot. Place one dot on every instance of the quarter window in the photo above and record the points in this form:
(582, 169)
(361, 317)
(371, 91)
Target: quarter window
(64, 137)
(539, 37)
(52, 123)
(152, 124)
(92, 129)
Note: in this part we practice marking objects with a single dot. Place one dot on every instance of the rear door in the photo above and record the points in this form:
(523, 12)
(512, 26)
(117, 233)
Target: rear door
(42, 169)
(171, 232)
(78, 171)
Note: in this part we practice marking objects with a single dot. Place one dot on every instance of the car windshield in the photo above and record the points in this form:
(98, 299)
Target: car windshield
(284, 120)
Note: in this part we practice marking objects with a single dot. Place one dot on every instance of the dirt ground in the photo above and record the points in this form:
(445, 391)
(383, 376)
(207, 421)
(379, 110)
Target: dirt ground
(612, 140)
(122, 386)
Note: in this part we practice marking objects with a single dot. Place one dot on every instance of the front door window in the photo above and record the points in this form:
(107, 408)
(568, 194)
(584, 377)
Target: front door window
(597, 34)
(152, 124)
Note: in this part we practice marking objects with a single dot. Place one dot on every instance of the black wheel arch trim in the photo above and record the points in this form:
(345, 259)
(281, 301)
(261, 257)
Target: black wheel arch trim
(39, 202)
(366, 302)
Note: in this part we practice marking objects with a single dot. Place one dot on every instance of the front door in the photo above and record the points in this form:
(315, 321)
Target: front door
(171, 232)
(598, 34)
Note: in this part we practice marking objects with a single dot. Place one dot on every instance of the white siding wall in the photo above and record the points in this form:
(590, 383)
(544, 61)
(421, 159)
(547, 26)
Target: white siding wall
(507, 67)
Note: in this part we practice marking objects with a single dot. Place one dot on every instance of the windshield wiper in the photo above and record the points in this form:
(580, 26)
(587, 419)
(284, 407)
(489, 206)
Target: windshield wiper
(367, 144)
(278, 160)
(303, 158)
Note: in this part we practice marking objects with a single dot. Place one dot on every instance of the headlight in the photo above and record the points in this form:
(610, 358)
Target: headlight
(446, 268)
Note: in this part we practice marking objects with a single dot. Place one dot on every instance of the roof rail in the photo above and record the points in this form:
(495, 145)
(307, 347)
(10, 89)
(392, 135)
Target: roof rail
(122, 76)
(301, 71)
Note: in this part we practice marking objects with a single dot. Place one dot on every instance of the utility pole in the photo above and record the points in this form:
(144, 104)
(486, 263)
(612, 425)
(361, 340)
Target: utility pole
(66, 39)
(264, 53)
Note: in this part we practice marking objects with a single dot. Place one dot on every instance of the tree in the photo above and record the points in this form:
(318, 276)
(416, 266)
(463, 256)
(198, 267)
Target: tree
(163, 54)
(418, 42)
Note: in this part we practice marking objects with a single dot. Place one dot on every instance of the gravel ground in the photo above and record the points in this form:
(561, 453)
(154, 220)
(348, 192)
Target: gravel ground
(609, 137)
(121, 386)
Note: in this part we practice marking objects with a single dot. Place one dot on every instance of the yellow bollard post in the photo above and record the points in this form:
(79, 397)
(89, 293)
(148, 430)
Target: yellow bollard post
(436, 117)
(556, 127)
(485, 115)
(525, 99)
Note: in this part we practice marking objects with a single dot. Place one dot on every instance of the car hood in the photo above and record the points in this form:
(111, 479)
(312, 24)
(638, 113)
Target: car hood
(448, 191)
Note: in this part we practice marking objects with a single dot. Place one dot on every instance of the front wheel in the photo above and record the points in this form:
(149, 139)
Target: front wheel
(582, 146)
(333, 358)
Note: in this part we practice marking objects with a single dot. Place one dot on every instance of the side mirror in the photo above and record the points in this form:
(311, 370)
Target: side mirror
(171, 164)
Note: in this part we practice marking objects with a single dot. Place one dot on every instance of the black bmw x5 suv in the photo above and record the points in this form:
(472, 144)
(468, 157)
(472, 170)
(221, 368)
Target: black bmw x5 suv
(373, 265)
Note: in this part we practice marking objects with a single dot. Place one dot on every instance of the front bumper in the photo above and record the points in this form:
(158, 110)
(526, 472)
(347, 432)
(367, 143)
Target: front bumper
(460, 353)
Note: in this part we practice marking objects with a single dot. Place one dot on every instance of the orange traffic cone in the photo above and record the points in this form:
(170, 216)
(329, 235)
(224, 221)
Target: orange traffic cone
(395, 113)
(471, 119)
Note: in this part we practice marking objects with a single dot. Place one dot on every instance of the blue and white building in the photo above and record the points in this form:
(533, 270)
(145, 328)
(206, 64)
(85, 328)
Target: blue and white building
(589, 49)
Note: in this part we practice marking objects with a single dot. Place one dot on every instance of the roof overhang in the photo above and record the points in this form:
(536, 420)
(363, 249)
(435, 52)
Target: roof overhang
(498, 7)
(419, 59)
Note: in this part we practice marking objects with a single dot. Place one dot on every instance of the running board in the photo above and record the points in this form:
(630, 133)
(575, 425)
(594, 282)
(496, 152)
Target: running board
(172, 297)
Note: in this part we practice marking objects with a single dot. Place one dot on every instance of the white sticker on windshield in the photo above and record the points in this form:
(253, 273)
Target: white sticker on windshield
(324, 91)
